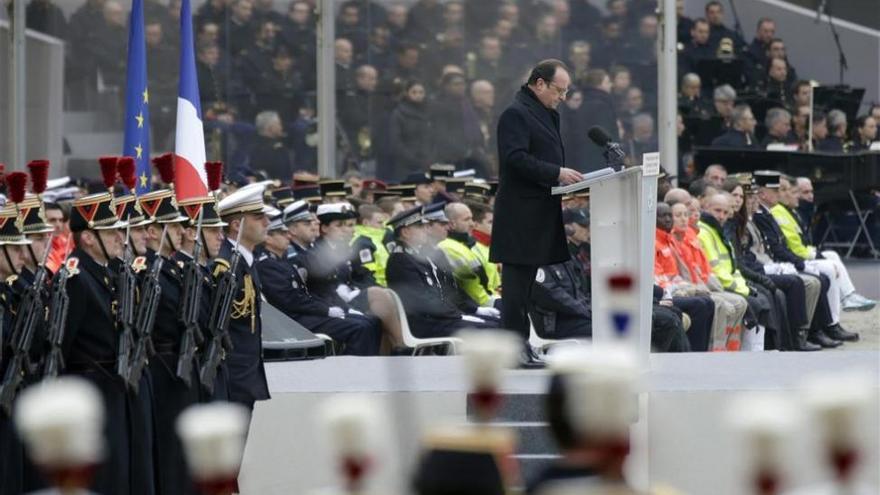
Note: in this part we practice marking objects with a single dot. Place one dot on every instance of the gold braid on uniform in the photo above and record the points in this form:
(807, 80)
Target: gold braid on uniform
(247, 304)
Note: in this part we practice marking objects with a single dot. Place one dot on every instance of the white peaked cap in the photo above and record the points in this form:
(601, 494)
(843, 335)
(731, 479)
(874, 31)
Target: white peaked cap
(603, 396)
(248, 199)
(62, 422)
(487, 353)
(765, 423)
(837, 402)
(352, 424)
(213, 437)
(56, 183)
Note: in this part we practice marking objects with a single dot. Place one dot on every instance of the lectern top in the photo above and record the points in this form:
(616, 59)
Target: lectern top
(597, 177)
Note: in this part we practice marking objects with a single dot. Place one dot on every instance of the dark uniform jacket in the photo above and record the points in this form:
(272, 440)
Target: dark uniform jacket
(415, 279)
(774, 240)
(326, 267)
(528, 220)
(285, 288)
(247, 378)
(558, 295)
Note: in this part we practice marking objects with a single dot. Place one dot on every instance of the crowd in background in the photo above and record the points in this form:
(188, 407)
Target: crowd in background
(423, 82)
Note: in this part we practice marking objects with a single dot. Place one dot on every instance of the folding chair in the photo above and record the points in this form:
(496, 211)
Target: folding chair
(419, 345)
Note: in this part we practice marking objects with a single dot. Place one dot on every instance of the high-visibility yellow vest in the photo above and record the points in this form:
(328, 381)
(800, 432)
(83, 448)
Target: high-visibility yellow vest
(376, 259)
(465, 267)
(491, 269)
(792, 232)
(721, 261)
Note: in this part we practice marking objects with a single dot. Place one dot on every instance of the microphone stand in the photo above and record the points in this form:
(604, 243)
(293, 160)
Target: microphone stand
(737, 26)
(841, 56)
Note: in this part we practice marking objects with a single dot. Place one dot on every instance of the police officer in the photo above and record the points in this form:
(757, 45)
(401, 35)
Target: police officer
(430, 306)
(368, 243)
(244, 212)
(336, 275)
(284, 288)
(302, 229)
(171, 395)
(91, 340)
(561, 307)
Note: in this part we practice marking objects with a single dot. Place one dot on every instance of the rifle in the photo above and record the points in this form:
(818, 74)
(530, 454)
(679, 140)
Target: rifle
(218, 320)
(58, 302)
(151, 293)
(189, 309)
(30, 313)
(125, 294)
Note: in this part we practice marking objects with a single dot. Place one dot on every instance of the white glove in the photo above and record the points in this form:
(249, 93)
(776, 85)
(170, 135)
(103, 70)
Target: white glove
(354, 312)
(489, 312)
(336, 312)
(472, 319)
(346, 292)
(811, 269)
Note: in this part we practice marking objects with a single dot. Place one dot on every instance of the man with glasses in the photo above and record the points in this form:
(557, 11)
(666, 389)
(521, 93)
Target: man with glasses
(528, 230)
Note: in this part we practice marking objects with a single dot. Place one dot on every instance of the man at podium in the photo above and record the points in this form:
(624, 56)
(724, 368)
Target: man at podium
(527, 231)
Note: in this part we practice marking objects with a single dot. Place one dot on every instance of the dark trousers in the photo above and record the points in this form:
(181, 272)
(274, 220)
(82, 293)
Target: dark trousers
(516, 289)
(822, 317)
(702, 311)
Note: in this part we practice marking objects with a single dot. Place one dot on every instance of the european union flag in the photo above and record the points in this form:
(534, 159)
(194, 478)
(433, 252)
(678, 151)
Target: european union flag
(137, 99)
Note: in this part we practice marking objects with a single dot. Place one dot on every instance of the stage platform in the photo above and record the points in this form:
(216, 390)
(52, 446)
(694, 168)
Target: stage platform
(680, 439)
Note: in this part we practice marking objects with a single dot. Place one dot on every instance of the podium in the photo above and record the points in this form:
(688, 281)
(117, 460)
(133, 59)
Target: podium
(623, 208)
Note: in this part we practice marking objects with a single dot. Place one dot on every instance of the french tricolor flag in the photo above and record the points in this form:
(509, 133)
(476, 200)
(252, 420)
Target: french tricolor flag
(189, 143)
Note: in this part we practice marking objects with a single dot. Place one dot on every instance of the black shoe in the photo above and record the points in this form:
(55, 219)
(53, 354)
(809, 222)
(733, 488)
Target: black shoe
(529, 359)
(837, 332)
(819, 337)
(803, 345)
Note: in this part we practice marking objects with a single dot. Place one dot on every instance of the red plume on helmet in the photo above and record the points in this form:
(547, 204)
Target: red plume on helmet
(108, 170)
(214, 171)
(16, 182)
(165, 165)
(39, 170)
(127, 172)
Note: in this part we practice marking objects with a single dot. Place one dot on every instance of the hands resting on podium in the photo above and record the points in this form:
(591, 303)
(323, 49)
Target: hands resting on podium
(568, 176)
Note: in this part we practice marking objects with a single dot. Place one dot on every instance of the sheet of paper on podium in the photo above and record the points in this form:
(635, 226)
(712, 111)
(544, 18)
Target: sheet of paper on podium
(651, 164)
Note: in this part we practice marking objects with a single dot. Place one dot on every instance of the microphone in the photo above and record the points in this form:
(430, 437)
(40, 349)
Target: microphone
(820, 10)
(600, 137)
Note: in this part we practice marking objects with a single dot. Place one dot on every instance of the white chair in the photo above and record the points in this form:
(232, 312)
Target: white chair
(419, 345)
(542, 345)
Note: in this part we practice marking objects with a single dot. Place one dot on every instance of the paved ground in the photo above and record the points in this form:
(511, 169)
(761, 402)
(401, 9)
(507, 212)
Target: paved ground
(867, 323)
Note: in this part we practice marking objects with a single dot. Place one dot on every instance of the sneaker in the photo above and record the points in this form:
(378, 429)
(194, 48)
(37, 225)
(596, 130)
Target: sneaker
(855, 302)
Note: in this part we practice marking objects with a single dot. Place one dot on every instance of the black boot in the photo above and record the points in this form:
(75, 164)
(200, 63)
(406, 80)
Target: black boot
(837, 332)
(529, 359)
(819, 337)
(802, 345)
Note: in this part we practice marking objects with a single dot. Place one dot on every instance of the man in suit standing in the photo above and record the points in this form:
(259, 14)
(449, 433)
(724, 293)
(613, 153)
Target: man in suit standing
(528, 231)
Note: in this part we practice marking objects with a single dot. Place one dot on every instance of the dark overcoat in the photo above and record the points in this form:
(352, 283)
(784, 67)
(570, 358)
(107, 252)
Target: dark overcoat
(527, 228)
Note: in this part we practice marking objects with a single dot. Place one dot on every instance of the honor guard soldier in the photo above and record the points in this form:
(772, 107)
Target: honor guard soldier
(356, 429)
(175, 387)
(213, 438)
(245, 214)
(12, 244)
(91, 340)
(211, 236)
(62, 422)
(430, 306)
(284, 288)
(474, 459)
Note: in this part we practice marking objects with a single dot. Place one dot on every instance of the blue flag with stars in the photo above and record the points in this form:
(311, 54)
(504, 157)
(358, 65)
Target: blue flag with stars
(137, 99)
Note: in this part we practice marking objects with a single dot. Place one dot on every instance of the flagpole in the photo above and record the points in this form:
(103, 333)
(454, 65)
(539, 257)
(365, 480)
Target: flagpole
(17, 88)
(326, 35)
